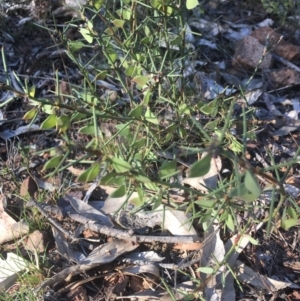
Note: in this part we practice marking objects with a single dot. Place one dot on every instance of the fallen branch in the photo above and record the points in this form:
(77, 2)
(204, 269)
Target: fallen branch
(127, 235)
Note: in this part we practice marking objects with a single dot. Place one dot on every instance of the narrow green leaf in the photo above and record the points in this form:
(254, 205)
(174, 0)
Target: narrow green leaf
(75, 46)
(151, 186)
(86, 34)
(206, 270)
(87, 130)
(136, 112)
(157, 201)
(112, 179)
(147, 97)
(168, 169)
(53, 162)
(292, 212)
(119, 192)
(229, 222)
(142, 178)
(206, 203)
(150, 116)
(30, 114)
(120, 165)
(101, 75)
(253, 241)
(200, 168)
(124, 129)
(90, 174)
(49, 122)
(243, 193)
(141, 80)
(63, 123)
(251, 184)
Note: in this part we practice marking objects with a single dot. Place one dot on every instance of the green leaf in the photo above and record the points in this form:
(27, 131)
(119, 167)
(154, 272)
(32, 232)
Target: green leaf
(136, 112)
(120, 165)
(288, 223)
(142, 178)
(206, 270)
(113, 57)
(210, 108)
(206, 203)
(152, 186)
(86, 34)
(48, 109)
(292, 212)
(124, 129)
(119, 23)
(141, 80)
(200, 168)
(147, 97)
(176, 41)
(253, 241)
(63, 123)
(97, 3)
(155, 3)
(137, 202)
(212, 124)
(190, 4)
(74, 46)
(168, 169)
(251, 184)
(101, 75)
(183, 109)
(87, 130)
(130, 71)
(157, 201)
(139, 143)
(150, 116)
(30, 114)
(243, 193)
(119, 192)
(126, 14)
(90, 174)
(112, 179)
(49, 122)
(78, 116)
(229, 222)
(53, 162)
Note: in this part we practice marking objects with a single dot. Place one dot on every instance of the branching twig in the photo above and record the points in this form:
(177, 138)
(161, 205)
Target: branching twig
(117, 233)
